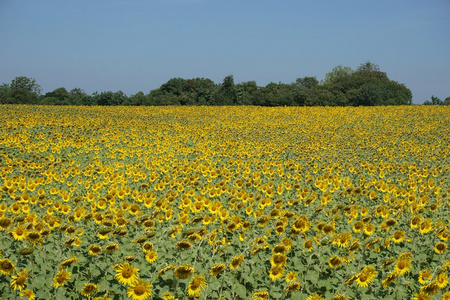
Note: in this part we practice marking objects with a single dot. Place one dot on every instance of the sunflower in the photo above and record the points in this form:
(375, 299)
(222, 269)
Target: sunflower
(66, 263)
(20, 280)
(308, 245)
(111, 248)
(389, 279)
(402, 266)
(165, 269)
(421, 296)
(19, 233)
(61, 278)
(151, 256)
(183, 271)
(425, 276)
(89, 289)
(335, 262)
(139, 290)
(236, 262)
(366, 276)
(340, 297)
(183, 245)
(6, 266)
(287, 242)
(315, 297)
(29, 294)
(398, 236)
(280, 248)
(369, 229)
(34, 237)
(430, 289)
(442, 280)
(278, 259)
(292, 287)
(426, 226)
(440, 248)
(94, 250)
(126, 274)
(291, 276)
(446, 296)
(261, 294)
(102, 298)
(276, 272)
(342, 239)
(358, 226)
(5, 223)
(197, 284)
(217, 269)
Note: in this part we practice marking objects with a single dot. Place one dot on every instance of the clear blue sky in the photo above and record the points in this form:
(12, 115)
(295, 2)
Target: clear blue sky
(137, 45)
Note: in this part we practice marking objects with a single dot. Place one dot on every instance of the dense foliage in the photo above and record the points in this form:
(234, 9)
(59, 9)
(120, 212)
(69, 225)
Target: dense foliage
(233, 202)
(365, 86)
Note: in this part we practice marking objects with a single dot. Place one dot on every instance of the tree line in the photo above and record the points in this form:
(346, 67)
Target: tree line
(343, 86)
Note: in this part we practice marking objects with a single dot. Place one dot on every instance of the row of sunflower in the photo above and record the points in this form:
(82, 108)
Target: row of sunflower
(224, 203)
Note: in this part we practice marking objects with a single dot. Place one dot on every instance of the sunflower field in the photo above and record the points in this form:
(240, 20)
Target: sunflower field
(224, 202)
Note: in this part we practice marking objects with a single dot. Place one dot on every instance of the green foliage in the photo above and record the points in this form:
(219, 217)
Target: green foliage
(343, 86)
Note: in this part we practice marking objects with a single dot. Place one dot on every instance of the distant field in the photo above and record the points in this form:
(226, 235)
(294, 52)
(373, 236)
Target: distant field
(233, 202)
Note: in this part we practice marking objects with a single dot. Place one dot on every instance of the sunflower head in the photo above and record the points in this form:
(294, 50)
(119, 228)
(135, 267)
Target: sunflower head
(6, 266)
(197, 284)
(183, 271)
(139, 290)
(126, 274)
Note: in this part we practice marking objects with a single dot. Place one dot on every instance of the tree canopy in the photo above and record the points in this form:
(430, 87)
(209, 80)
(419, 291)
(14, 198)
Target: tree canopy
(342, 86)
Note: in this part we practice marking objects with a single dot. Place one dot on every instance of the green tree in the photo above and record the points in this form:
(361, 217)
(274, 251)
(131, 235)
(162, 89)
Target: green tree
(29, 84)
(227, 93)
(337, 73)
(5, 93)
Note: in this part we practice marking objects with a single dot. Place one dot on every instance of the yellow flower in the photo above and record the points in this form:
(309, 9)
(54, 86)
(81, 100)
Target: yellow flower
(20, 280)
(61, 278)
(398, 236)
(442, 280)
(89, 289)
(446, 296)
(430, 289)
(197, 284)
(126, 274)
(236, 262)
(276, 272)
(66, 263)
(183, 271)
(140, 290)
(261, 294)
(278, 259)
(292, 287)
(340, 297)
(165, 269)
(440, 248)
(29, 294)
(291, 276)
(315, 297)
(217, 269)
(151, 256)
(94, 250)
(389, 279)
(19, 233)
(335, 262)
(402, 266)
(6, 266)
(366, 276)
(421, 296)
(111, 248)
(424, 276)
(369, 229)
